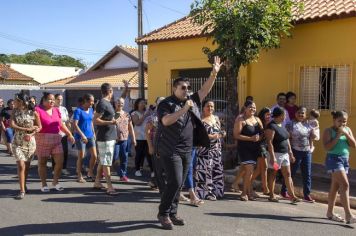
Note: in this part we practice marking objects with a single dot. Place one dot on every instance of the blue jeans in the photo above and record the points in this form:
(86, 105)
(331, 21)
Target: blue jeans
(302, 160)
(9, 133)
(120, 151)
(189, 181)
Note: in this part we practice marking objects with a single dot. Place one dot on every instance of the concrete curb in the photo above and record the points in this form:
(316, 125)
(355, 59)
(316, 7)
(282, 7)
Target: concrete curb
(318, 196)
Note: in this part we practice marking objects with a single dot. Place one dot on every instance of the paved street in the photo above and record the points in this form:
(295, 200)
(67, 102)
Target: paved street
(80, 210)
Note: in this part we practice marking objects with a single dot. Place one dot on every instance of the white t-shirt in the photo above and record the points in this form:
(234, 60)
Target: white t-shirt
(139, 129)
(64, 116)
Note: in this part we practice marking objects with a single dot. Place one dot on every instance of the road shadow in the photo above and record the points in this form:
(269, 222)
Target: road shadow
(91, 227)
(299, 219)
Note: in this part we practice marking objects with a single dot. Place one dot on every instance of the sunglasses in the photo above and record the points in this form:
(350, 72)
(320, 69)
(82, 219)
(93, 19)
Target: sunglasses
(186, 87)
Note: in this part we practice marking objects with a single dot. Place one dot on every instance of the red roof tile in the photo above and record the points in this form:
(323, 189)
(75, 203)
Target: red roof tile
(97, 77)
(10, 74)
(313, 10)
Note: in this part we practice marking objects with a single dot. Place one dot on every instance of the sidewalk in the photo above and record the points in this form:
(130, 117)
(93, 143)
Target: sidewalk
(320, 184)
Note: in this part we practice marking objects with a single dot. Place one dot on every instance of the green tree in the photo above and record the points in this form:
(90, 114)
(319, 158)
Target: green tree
(241, 29)
(64, 60)
(42, 57)
(4, 59)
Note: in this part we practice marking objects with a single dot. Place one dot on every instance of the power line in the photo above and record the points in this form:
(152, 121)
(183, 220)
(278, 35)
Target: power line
(146, 17)
(49, 46)
(132, 4)
(168, 8)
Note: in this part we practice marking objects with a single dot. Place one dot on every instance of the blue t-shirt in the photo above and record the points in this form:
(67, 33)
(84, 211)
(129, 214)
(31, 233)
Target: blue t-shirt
(84, 122)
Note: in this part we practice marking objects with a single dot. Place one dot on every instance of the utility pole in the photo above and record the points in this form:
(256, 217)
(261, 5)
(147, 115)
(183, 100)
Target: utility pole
(141, 74)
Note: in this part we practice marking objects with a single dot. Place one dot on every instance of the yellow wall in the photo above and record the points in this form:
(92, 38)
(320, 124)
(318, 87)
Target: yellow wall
(321, 43)
(164, 57)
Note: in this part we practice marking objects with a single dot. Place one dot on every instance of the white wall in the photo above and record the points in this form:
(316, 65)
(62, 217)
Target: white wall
(120, 61)
(10, 93)
(45, 74)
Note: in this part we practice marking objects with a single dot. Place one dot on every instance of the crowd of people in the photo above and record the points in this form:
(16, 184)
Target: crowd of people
(182, 147)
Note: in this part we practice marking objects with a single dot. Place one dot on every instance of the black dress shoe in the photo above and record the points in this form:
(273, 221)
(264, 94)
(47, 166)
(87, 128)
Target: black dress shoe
(165, 222)
(176, 220)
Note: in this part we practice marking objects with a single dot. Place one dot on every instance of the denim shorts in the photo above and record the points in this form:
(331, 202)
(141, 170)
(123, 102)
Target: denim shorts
(336, 163)
(84, 146)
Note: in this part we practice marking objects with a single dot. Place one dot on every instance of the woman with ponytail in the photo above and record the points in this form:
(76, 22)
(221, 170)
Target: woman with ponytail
(49, 140)
(25, 122)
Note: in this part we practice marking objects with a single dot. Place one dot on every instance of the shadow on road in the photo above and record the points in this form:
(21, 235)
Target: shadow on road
(93, 227)
(299, 219)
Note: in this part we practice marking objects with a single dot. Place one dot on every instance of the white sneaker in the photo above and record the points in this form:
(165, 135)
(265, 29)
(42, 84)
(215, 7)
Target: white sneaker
(138, 173)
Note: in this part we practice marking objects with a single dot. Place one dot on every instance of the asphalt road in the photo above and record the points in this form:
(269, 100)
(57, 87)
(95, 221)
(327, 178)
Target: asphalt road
(80, 210)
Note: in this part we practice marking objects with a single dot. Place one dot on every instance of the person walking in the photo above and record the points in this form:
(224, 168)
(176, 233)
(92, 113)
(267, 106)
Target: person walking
(139, 116)
(5, 117)
(84, 134)
(124, 129)
(337, 141)
(26, 123)
(248, 131)
(65, 119)
(209, 168)
(179, 129)
(48, 140)
(104, 118)
(301, 133)
(280, 154)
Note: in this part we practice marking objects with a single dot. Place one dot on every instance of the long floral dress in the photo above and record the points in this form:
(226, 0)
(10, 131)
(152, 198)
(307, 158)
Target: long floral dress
(23, 149)
(209, 170)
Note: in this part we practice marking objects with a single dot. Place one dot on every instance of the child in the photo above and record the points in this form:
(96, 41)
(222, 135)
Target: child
(314, 123)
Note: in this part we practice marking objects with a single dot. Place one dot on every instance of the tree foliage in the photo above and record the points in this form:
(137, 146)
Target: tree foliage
(240, 29)
(42, 57)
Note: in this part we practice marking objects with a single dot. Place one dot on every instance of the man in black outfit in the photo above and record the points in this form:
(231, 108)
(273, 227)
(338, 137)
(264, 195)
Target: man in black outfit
(179, 127)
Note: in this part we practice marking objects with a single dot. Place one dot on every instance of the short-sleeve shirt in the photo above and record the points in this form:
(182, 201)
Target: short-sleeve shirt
(179, 134)
(139, 129)
(106, 132)
(85, 121)
(280, 139)
(51, 124)
(6, 114)
(300, 135)
(122, 126)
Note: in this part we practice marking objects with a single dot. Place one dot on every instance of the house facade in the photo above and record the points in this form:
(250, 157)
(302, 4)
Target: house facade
(317, 63)
(118, 65)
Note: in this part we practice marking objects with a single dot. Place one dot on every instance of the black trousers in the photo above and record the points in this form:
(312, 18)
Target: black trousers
(160, 179)
(176, 169)
(142, 152)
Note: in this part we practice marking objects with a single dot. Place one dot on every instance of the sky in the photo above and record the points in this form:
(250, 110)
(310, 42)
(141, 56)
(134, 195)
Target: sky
(85, 29)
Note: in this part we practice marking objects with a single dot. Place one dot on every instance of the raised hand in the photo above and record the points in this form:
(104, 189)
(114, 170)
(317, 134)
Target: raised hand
(217, 64)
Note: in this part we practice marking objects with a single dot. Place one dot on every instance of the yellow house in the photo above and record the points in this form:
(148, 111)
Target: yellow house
(317, 63)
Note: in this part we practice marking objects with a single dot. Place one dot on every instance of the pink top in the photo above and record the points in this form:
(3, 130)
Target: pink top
(51, 124)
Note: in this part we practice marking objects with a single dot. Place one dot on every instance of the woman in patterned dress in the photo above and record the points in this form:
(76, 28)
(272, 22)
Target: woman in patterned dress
(25, 122)
(209, 169)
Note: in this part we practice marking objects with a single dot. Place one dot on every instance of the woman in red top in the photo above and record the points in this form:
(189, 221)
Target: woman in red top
(48, 140)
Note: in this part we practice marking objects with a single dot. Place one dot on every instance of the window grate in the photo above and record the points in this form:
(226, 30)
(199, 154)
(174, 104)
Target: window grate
(326, 87)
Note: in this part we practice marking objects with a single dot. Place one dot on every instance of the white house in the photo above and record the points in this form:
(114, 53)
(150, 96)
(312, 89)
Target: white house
(45, 74)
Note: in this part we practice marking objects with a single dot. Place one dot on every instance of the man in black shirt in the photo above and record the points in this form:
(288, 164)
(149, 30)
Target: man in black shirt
(179, 127)
(106, 136)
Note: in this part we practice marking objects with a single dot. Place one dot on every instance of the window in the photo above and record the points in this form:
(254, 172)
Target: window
(326, 87)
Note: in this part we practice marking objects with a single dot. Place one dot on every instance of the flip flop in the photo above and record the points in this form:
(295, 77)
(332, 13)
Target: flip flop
(58, 187)
(98, 187)
(45, 189)
(81, 180)
(273, 199)
(336, 218)
(112, 193)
